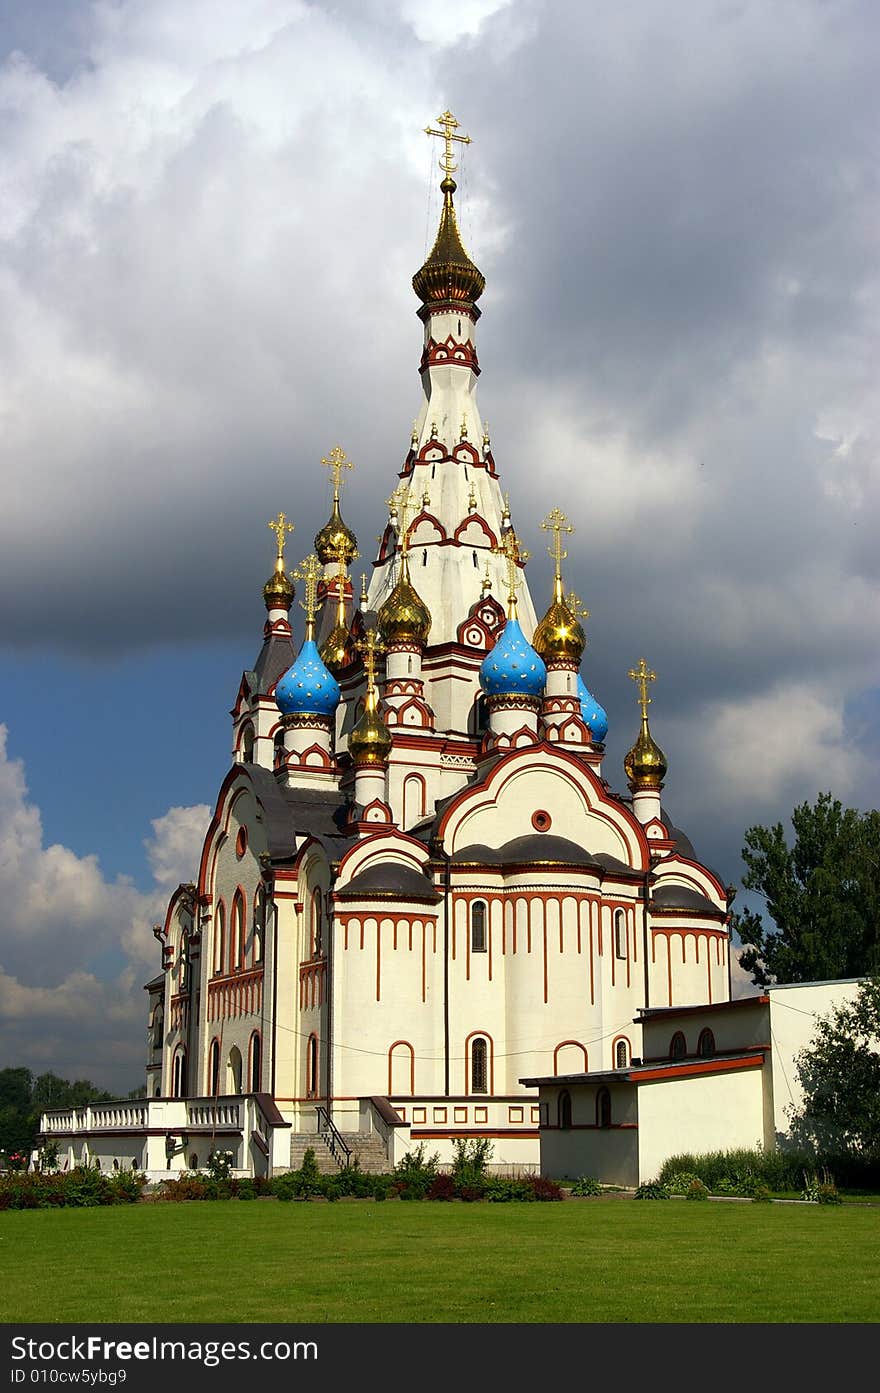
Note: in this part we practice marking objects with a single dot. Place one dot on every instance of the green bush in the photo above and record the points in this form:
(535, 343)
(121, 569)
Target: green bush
(82, 1187)
(652, 1190)
(469, 1166)
(586, 1185)
(680, 1182)
(696, 1190)
(820, 1189)
(414, 1173)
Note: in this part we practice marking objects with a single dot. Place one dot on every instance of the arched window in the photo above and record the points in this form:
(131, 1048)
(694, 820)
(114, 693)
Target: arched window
(564, 1110)
(478, 926)
(236, 932)
(479, 1071)
(157, 1027)
(183, 964)
(214, 1068)
(603, 1108)
(233, 1070)
(256, 1072)
(178, 1075)
(316, 928)
(619, 933)
(259, 929)
(278, 755)
(706, 1044)
(219, 938)
(247, 744)
(677, 1046)
(621, 1055)
(312, 1066)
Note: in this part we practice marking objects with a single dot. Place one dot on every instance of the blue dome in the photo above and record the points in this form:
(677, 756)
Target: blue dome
(512, 668)
(308, 686)
(593, 714)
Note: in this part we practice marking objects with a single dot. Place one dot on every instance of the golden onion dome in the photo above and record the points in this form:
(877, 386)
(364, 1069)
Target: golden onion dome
(278, 592)
(645, 764)
(404, 617)
(448, 273)
(336, 649)
(370, 741)
(559, 637)
(335, 542)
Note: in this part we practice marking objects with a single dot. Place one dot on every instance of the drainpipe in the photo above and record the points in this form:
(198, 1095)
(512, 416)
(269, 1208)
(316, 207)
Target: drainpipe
(447, 895)
(645, 937)
(331, 925)
(274, 989)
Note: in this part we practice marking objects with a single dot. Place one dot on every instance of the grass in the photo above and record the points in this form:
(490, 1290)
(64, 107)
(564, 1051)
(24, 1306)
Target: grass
(580, 1261)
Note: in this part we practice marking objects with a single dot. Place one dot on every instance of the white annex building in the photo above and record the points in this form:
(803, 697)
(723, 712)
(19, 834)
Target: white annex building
(419, 886)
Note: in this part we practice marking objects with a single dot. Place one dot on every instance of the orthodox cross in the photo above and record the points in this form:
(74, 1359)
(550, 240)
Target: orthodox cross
(450, 126)
(370, 646)
(577, 606)
(340, 586)
(308, 573)
(462, 435)
(557, 523)
(642, 675)
(364, 595)
(510, 548)
(336, 463)
(280, 526)
(487, 582)
(402, 504)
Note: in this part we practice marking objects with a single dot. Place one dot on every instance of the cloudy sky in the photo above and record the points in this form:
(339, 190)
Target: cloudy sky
(209, 219)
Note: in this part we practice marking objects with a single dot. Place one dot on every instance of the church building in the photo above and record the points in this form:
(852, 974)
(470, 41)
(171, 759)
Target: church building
(419, 885)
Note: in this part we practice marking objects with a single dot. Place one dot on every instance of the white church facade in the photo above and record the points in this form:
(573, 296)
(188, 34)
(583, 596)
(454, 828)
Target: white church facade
(418, 887)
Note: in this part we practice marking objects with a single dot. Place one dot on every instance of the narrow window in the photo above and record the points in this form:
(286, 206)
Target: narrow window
(478, 1066)
(214, 1069)
(706, 1044)
(425, 557)
(478, 927)
(619, 934)
(312, 1066)
(247, 744)
(278, 743)
(256, 1064)
(433, 470)
(620, 1055)
(564, 1110)
(236, 933)
(677, 1046)
(317, 926)
(219, 938)
(178, 1081)
(603, 1108)
(476, 561)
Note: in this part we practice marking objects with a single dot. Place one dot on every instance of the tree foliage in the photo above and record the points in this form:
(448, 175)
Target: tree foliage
(822, 894)
(24, 1096)
(839, 1072)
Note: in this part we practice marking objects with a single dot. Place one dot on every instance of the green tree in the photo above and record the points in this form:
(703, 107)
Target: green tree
(822, 894)
(839, 1072)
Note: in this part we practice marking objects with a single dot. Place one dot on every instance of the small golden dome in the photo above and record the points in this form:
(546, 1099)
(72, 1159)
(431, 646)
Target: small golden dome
(404, 617)
(335, 542)
(278, 592)
(645, 764)
(335, 650)
(370, 741)
(559, 637)
(448, 273)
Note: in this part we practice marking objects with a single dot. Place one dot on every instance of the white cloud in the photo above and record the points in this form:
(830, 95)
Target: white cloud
(59, 914)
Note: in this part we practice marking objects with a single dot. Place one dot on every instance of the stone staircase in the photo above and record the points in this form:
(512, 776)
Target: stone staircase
(366, 1146)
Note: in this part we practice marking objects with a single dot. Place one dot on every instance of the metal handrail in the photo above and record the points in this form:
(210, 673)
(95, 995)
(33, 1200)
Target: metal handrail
(333, 1137)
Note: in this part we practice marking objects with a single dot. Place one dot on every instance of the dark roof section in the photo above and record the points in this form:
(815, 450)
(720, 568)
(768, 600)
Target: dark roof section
(155, 983)
(736, 1004)
(292, 812)
(683, 843)
(683, 897)
(635, 1073)
(392, 879)
(541, 849)
(276, 656)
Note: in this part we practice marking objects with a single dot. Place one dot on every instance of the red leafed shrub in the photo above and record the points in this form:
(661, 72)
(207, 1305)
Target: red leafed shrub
(442, 1188)
(544, 1189)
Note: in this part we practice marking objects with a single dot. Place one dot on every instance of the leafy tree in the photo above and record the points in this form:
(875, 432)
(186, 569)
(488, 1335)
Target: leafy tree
(839, 1072)
(822, 893)
(23, 1097)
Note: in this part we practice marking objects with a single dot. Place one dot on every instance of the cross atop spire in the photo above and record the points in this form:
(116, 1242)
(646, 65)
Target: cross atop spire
(577, 606)
(280, 526)
(402, 505)
(450, 126)
(336, 463)
(516, 557)
(557, 523)
(642, 675)
(370, 647)
(308, 573)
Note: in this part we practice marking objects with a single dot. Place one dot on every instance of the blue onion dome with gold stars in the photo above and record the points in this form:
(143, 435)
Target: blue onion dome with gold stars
(307, 688)
(512, 667)
(593, 714)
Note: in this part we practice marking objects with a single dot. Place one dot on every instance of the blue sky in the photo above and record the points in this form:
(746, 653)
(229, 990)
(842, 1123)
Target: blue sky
(211, 215)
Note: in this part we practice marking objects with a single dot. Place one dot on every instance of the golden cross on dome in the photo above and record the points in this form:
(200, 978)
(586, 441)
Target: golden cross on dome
(450, 126)
(336, 463)
(280, 526)
(308, 572)
(464, 429)
(557, 523)
(364, 596)
(426, 498)
(486, 441)
(370, 646)
(472, 499)
(516, 557)
(487, 582)
(642, 675)
(577, 606)
(402, 503)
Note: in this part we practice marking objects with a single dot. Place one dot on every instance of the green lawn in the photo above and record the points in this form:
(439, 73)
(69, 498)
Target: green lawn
(582, 1260)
